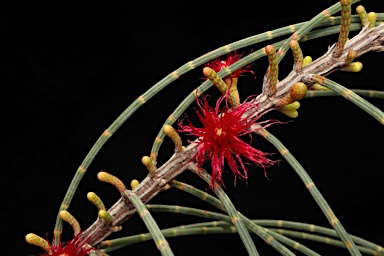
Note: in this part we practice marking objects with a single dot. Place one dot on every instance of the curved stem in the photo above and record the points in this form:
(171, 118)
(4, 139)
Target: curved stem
(161, 244)
(258, 230)
(351, 96)
(320, 200)
(230, 209)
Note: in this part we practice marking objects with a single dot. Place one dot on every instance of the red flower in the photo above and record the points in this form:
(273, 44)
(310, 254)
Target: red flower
(75, 247)
(218, 64)
(219, 138)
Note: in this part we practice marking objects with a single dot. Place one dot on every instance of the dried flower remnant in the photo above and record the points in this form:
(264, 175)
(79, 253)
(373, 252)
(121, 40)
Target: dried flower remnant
(219, 138)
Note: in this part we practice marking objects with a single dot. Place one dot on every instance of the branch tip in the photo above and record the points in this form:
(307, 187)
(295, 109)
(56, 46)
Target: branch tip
(71, 220)
(362, 14)
(147, 161)
(272, 69)
(307, 60)
(92, 197)
(34, 239)
(174, 136)
(103, 214)
(372, 19)
(344, 27)
(113, 180)
(134, 184)
(355, 67)
(297, 55)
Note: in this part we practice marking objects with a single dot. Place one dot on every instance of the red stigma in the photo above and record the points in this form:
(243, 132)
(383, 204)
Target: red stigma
(75, 247)
(219, 138)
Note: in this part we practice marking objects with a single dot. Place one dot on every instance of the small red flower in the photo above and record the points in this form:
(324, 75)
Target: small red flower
(219, 138)
(231, 58)
(74, 247)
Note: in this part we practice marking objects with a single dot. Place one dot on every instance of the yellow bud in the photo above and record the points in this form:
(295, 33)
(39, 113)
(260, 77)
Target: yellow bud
(96, 200)
(147, 161)
(298, 91)
(290, 113)
(293, 106)
(372, 19)
(37, 240)
(134, 184)
(67, 217)
(106, 177)
(353, 67)
(307, 60)
(103, 214)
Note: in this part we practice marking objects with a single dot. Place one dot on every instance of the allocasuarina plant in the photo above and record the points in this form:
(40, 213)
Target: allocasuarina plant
(221, 136)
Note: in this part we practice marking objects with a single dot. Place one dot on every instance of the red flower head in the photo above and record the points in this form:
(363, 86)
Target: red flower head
(218, 65)
(75, 247)
(219, 138)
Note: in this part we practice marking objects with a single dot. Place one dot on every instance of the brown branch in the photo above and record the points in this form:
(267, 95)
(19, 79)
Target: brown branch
(369, 39)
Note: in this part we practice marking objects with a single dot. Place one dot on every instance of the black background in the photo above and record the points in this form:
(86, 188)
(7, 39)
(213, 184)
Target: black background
(73, 66)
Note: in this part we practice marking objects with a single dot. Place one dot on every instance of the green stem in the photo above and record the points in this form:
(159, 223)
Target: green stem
(320, 200)
(230, 209)
(258, 230)
(150, 223)
(321, 239)
(351, 96)
(226, 219)
(365, 93)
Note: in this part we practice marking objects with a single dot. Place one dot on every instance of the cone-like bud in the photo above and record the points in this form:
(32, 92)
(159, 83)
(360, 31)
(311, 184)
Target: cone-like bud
(147, 161)
(103, 214)
(307, 60)
(96, 200)
(234, 98)
(215, 79)
(297, 54)
(372, 19)
(273, 68)
(67, 217)
(34, 239)
(290, 109)
(362, 14)
(353, 67)
(344, 26)
(106, 177)
(134, 184)
(233, 91)
(174, 136)
(298, 91)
